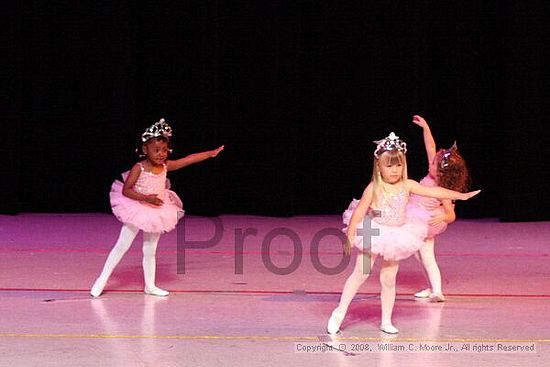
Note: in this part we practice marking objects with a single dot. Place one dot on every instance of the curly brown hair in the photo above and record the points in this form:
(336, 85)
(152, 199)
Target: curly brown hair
(455, 175)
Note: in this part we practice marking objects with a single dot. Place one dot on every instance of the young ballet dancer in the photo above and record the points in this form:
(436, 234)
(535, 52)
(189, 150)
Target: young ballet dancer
(446, 168)
(144, 202)
(391, 235)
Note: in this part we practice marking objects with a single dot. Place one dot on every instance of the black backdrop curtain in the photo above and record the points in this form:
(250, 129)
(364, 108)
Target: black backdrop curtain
(296, 90)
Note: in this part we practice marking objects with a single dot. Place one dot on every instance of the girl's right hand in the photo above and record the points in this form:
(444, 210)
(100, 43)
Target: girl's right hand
(349, 244)
(468, 195)
(153, 199)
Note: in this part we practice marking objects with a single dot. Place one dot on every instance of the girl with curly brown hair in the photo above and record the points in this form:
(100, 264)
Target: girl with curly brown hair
(447, 169)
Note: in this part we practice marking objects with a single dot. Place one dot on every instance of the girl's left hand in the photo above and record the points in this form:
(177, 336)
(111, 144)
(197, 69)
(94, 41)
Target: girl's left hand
(153, 199)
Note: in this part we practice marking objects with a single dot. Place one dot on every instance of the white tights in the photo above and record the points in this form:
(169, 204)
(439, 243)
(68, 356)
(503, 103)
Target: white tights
(388, 274)
(127, 235)
(431, 269)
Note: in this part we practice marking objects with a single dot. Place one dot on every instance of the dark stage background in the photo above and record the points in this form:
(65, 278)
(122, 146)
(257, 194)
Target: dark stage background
(296, 90)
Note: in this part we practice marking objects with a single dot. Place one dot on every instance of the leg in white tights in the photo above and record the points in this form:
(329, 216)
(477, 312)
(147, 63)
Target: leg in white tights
(427, 255)
(150, 241)
(361, 272)
(127, 235)
(388, 275)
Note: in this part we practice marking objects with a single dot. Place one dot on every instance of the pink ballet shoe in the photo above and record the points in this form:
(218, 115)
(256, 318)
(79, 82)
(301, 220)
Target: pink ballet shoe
(388, 328)
(333, 326)
(155, 291)
(425, 293)
(97, 288)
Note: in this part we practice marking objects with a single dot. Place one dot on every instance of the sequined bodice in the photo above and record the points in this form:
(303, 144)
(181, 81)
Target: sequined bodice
(150, 183)
(392, 209)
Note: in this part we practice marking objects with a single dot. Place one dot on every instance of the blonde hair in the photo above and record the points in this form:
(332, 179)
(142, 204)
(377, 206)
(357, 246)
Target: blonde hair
(389, 157)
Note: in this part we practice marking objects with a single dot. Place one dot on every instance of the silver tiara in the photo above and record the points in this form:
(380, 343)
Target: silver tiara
(160, 128)
(389, 143)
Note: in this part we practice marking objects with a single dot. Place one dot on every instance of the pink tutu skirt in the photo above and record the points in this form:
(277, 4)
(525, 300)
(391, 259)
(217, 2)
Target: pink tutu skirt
(391, 242)
(147, 217)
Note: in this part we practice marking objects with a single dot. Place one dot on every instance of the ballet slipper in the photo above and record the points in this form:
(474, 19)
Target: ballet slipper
(97, 288)
(155, 291)
(425, 293)
(333, 326)
(388, 328)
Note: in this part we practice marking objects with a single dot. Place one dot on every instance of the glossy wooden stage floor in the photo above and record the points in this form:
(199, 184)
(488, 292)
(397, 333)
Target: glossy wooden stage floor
(235, 306)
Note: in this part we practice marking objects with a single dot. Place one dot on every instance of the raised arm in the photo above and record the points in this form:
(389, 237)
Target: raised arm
(173, 165)
(438, 192)
(429, 142)
(357, 216)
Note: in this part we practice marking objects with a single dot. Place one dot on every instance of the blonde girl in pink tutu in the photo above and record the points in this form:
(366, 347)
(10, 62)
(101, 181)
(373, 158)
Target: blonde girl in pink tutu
(144, 202)
(377, 226)
(446, 168)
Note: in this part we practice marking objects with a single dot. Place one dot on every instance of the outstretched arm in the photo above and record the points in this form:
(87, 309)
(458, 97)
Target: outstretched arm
(357, 217)
(192, 159)
(429, 142)
(438, 192)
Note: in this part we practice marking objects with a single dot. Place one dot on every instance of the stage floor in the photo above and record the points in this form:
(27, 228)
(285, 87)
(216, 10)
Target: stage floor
(258, 291)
